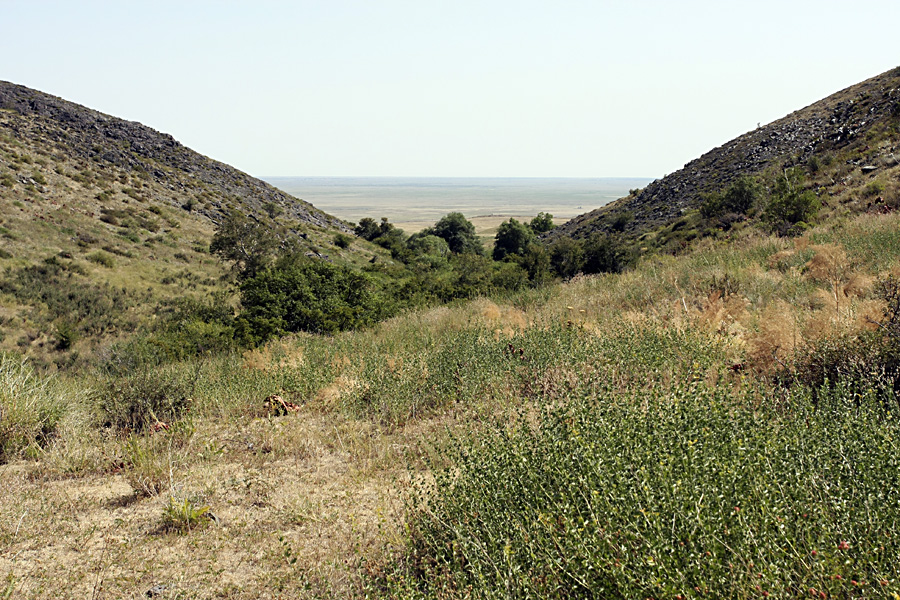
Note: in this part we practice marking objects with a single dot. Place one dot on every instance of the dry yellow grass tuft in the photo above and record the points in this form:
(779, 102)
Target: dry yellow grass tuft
(776, 340)
(276, 355)
(330, 396)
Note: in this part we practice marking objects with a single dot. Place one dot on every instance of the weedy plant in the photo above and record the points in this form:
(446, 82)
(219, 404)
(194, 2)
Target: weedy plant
(185, 514)
(152, 459)
(669, 492)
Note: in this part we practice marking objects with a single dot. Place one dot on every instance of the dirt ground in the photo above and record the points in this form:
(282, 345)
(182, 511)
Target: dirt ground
(294, 503)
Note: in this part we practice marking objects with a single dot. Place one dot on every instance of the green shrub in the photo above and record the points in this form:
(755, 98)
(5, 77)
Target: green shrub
(606, 254)
(790, 204)
(566, 257)
(512, 239)
(67, 334)
(342, 241)
(875, 188)
(185, 514)
(299, 294)
(102, 259)
(459, 234)
(542, 223)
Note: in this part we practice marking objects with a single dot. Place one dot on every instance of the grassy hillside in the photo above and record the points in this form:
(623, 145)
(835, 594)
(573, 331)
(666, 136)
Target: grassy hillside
(102, 221)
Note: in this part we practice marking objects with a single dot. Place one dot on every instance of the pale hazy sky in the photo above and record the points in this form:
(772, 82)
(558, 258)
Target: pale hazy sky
(461, 88)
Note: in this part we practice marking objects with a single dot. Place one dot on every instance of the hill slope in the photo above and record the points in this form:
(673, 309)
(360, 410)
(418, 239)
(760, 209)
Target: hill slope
(845, 141)
(103, 219)
(77, 132)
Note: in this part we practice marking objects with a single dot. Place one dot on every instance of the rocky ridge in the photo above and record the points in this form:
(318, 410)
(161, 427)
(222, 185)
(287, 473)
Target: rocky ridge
(77, 131)
(838, 122)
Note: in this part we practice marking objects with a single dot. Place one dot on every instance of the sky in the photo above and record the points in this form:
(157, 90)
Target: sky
(460, 88)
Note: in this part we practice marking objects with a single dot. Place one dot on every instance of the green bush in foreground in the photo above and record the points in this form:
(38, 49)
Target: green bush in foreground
(687, 492)
(141, 400)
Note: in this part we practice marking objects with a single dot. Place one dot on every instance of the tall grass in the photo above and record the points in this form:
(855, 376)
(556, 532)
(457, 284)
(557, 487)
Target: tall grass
(33, 408)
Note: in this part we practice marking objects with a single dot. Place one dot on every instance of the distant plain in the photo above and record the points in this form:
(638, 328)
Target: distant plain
(414, 203)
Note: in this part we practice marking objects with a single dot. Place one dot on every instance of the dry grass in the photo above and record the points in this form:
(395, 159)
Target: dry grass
(297, 501)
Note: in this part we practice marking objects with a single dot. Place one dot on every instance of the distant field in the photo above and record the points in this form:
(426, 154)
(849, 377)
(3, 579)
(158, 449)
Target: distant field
(415, 203)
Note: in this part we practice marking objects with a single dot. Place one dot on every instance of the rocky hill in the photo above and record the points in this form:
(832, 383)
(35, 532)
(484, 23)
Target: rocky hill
(850, 136)
(78, 132)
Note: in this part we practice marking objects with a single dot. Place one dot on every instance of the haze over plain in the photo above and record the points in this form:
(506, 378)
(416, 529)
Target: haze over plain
(462, 89)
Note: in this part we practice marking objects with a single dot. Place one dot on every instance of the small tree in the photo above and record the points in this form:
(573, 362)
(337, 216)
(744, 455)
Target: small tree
(512, 239)
(367, 229)
(245, 242)
(459, 234)
(737, 200)
(790, 205)
(542, 223)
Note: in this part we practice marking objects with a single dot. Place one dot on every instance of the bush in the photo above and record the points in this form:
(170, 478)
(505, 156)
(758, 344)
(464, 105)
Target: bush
(342, 241)
(567, 257)
(542, 223)
(865, 362)
(138, 402)
(606, 254)
(299, 294)
(368, 229)
(512, 239)
(728, 207)
(789, 204)
(67, 334)
(459, 234)
(103, 259)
